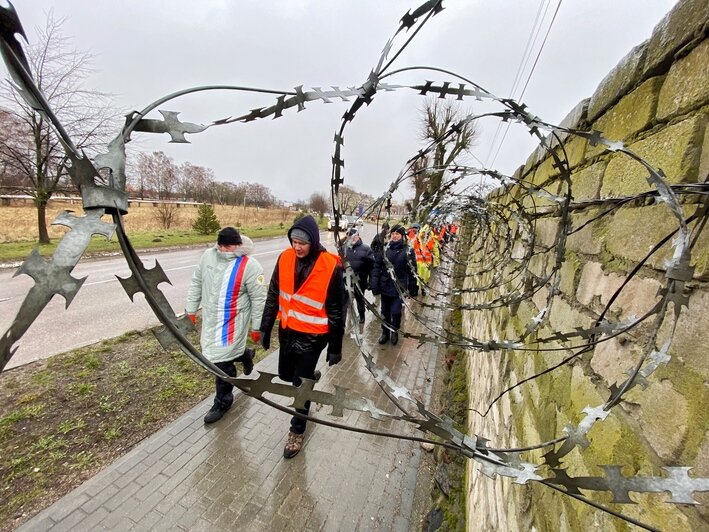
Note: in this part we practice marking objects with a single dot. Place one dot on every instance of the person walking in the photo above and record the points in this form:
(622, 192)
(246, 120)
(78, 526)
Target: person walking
(360, 257)
(435, 245)
(230, 286)
(403, 261)
(380, 240)
(423, 245)
(306, 293)
(413, 232)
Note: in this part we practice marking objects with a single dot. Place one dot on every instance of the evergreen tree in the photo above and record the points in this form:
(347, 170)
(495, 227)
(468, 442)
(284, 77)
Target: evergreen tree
(206, 222)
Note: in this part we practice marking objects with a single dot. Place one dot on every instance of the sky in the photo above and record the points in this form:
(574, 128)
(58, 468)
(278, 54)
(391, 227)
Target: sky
(146, 49)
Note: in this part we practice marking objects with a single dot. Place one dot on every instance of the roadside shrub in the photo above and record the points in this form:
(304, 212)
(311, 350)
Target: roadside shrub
(206, 222)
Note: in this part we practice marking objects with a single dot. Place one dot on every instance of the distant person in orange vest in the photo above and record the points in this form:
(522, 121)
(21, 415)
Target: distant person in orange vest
(453, 230)
(423, 248)
(442, 235)
(413, 232)
(437, 245)
(306, 293)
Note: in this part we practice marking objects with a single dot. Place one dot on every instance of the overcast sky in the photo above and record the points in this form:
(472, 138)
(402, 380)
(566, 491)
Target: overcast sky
(146, 49)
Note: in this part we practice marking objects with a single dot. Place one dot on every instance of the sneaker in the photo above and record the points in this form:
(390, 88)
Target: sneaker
(215, 414)
(394, 338)
(293, 445)
(247, 359)
(384, 338)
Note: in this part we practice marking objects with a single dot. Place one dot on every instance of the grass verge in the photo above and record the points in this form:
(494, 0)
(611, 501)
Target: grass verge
(65, 418)
(12, 251)
(449, 491)
(16, 251)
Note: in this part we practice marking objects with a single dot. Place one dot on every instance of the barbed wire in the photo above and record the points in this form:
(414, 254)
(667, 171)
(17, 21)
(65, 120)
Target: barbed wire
(494, 264)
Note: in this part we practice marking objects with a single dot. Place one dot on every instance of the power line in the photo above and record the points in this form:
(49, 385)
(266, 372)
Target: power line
(536, 60)
(529, 77)
(533, 34)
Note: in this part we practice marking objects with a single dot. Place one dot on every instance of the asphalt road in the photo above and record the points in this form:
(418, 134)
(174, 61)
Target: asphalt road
(101, 309)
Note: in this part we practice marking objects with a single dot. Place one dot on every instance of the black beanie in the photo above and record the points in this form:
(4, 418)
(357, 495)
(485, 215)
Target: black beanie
(229, 237)
(398, 229)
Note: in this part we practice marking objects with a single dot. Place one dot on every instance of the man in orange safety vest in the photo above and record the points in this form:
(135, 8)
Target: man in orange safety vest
(306, 294)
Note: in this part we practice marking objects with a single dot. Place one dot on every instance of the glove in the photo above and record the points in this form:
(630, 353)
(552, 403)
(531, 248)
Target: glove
(192, 318)
(265, 341)
(255, 336)
(333, 358)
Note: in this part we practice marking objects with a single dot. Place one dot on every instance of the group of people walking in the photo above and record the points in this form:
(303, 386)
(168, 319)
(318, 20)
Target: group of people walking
(306, 294)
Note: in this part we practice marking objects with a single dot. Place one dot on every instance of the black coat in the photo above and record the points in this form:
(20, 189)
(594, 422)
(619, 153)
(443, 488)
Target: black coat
(378, 242)
(403, 260)
(361, 259)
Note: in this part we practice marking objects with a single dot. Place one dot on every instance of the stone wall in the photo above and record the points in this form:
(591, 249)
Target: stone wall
(656, 101)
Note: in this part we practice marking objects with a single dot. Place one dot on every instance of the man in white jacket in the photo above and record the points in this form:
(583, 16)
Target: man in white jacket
(230, 286)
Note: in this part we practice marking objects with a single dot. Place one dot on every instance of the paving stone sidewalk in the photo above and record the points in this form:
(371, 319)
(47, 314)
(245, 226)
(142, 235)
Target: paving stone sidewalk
(232, 475)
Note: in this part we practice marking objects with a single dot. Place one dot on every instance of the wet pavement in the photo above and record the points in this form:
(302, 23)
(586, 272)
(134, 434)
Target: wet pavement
(232, 475)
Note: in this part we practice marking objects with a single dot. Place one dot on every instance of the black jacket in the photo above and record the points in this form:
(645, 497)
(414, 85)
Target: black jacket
(298, 342)
(378, 242)
(403, 259)
(361, 258)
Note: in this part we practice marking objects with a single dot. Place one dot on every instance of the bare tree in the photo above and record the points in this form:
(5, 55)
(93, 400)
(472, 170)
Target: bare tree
(347, 197)
(319, 203)
(419, 180)
(158, 173)
(226, 193)
(302, 205)
(11, 129)
(441, 122)
(259, 195)
(166, 214)
(350, 199)
(30, 150)
(196, 182)
(135, 183)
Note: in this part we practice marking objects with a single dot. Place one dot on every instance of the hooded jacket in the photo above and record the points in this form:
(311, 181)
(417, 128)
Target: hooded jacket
(403, 260)
(232, 292)
(295, 342)
(360, 257)
(379, 242)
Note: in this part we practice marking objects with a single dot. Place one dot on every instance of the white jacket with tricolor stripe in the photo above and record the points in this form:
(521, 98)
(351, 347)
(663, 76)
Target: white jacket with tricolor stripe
(232, 293)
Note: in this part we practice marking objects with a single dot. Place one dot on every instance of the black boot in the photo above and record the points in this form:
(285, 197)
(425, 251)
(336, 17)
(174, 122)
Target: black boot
(384, 338)
(215, 413)
(361, 318)
(396, 322)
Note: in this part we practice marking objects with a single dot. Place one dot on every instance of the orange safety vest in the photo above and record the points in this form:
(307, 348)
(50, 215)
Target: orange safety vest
(442, 233)
(411, 234)
(423, 253)
(304, 310)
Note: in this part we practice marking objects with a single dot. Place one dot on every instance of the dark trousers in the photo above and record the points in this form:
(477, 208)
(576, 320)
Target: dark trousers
(359, 300)
(391, 311)
(303, 367)
(224, 396)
